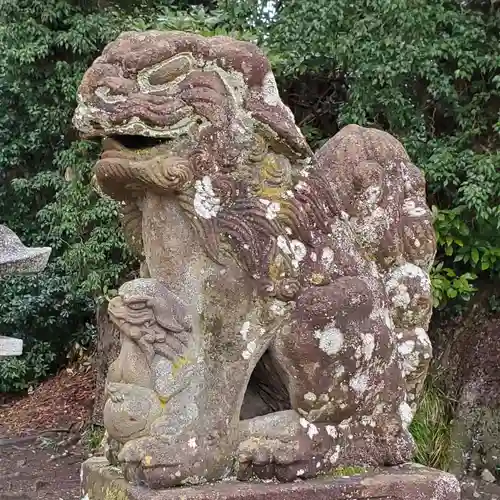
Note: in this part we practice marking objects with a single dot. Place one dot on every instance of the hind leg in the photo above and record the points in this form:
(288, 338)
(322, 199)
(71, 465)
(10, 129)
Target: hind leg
(338, 359)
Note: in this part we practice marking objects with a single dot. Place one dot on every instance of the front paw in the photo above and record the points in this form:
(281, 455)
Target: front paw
(134, 451)
(271, 458)
(161, 464)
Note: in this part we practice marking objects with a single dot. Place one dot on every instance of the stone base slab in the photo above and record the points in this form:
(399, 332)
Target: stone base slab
(407, 482)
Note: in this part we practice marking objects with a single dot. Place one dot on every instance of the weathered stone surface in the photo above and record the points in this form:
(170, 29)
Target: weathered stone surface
(10, 346)
(15, 258)
(467, 367)
(409, 482)
(475, 489)
(292, 285)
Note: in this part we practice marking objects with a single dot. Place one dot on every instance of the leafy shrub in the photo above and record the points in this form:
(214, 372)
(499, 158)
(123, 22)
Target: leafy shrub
(45, 194)
(427, 72)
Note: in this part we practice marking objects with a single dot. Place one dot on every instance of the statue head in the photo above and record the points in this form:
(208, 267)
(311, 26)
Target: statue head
(199, 120)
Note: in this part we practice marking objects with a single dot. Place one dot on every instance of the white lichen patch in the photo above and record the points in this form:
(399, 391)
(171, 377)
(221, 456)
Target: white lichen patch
(372, 195)
(299, 251)
(278, 308)
(272, 208)
(422, 337)
(192, 443)
(367, 421)
(104, 94)
(406, 414)
(304, 423)
(334, 457)
(359, 383)
(245, 329)
(339, 371)
(406, 347)
(411, 210)
(309, 396)
(331, 431)
(300, 472)
(327, 257)
(283, 245)
(247, 353)
(270, 94)
(205, 203)
(368, 346)
(399, 294)
(272, 211)
(331, 339)
(312, 431)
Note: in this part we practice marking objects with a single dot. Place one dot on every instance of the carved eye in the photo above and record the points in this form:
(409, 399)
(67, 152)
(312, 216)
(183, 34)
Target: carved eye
(136, 305)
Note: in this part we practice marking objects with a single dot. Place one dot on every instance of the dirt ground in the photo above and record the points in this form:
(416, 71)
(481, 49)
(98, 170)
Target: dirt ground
(41, 439)
(44, 438)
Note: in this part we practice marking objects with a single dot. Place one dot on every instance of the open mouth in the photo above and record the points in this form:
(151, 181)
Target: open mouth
(134, 141)
(120, 146)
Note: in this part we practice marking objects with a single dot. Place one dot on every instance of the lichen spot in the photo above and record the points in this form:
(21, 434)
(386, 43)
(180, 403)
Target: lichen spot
(411, 210)
(251, 346)
(335, 455)
(331, 431)
(278, 308)
(272, 209)
(406, 414)
(298, 250)
(304, 423)
(368, 345)
(245, 329)
(270, 92)
(309, 396)
(300, 472)
(327, 257)
(406, 347)
(205, 203)
(312, 431)
(359, 383)
(330, 339)
(192, 443)
(283, 245)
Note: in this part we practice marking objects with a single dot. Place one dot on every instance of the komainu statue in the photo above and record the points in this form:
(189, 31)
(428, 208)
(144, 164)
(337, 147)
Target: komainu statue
(279, 328)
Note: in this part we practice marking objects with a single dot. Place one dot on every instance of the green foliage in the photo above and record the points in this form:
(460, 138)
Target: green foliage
(427, 72)
(431, 428)
(45, 193)
(92, 438)
(348, 471)
(17, 374)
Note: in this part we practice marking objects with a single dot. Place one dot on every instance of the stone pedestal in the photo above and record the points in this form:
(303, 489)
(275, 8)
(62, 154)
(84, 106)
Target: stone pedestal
(408, 482)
